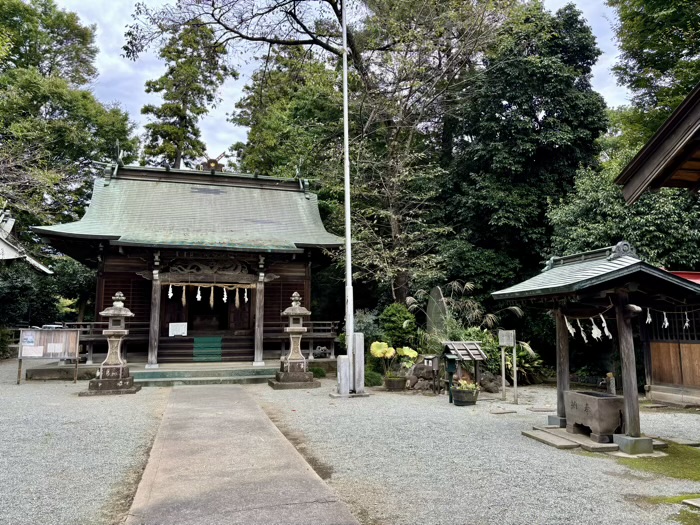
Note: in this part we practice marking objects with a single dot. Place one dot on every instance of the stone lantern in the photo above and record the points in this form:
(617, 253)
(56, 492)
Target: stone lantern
(293, 369)
(113, 376)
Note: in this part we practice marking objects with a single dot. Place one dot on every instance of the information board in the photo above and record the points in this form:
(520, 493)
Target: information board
(506, 338)
(48, 344)
(177, 329)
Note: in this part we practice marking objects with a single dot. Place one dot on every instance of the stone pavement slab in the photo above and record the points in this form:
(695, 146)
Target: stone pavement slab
(218, 459)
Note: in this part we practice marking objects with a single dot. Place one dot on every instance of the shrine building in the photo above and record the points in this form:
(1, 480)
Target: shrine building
(207, 260)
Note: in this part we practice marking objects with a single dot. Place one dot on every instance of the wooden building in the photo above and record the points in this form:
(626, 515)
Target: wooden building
(671, 159)
(214, 255)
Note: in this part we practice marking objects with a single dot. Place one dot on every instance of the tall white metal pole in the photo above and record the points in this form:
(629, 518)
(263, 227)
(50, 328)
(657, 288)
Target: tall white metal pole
(349, 306)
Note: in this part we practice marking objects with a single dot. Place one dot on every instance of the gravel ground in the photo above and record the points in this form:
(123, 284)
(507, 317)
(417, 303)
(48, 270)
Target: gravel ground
(409, 459)
(70, 460)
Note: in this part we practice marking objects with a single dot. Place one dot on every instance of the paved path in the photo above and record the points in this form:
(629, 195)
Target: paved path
(217, 458)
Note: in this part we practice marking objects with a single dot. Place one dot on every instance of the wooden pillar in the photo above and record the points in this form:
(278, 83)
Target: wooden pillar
(259, 319)
(154, 329)
(562, 362)
(624, 311)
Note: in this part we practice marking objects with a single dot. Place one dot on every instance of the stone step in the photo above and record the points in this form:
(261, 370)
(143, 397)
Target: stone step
(550, 439)
(584, 441)
(203, 372)
(238, 380)
(686, 442)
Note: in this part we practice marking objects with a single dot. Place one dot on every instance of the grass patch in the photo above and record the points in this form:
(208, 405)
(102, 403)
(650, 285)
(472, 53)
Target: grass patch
(682, 462)
(672, 500)
(687, 517)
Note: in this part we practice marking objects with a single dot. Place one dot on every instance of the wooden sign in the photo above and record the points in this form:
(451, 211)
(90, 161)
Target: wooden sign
(48, 344)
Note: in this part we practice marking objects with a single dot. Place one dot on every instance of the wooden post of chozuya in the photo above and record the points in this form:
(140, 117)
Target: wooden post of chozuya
(562, 355)
(259, 320)
(624, 313)
(154, 329)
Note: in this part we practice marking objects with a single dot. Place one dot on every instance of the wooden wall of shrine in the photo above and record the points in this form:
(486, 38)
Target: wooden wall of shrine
(120, 273)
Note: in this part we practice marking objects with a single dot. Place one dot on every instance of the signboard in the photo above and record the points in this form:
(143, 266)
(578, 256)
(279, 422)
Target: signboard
(177, 329)
(506, 338)
(48, 344)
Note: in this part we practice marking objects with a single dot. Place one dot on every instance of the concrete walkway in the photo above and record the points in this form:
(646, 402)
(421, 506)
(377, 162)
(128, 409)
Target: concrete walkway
(219, 459)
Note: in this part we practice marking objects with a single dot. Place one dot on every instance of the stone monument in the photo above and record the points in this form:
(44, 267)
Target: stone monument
(113, 377)
(293, 368)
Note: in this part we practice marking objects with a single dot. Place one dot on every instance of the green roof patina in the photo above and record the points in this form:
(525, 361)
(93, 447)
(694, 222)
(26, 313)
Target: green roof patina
(179, 209)
(575, 273)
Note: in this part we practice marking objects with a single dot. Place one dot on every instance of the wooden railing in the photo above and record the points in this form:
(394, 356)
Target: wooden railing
(93, 330)
(319, 329)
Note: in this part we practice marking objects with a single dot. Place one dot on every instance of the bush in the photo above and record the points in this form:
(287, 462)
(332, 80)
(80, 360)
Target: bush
(5, 340)
(317, 372)
(366, 322)
(398, 325)
(373, 378)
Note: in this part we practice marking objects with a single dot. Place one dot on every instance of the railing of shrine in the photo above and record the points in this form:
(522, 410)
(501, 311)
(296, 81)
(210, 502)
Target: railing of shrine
(315, 328)
(89, 330)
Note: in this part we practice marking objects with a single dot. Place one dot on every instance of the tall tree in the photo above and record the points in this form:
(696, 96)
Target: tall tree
(406, 56)
(659, 61)
(530, 122)
(196, 68)
(49, 39)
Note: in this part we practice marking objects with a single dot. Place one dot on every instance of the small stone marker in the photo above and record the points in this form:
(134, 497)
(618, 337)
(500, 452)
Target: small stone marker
(499, 411)
(541, 409)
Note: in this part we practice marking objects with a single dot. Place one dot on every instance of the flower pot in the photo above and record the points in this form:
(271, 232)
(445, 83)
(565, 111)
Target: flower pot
(462, 398)
(395, 384)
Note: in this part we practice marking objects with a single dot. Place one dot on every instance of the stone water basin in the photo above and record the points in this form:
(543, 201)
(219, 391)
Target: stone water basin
(602, 414)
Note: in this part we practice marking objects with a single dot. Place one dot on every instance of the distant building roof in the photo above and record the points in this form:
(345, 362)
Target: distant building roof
(607, 267)
(10, 248)
(162, 208)
(691, 276)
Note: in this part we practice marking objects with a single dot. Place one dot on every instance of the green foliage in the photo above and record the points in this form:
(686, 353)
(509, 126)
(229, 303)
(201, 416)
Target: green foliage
(398, 325)
(373, 378)
(50, 134)
(196, 68)
(75, 283)
(40, 36)
(293, 109)
(26, 297)
(659, 61)
(530, 121)
(367, 323)
(663, 226)
(5, 341)
(317, 372)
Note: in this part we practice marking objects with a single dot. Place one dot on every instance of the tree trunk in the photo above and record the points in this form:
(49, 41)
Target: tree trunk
(81, 311)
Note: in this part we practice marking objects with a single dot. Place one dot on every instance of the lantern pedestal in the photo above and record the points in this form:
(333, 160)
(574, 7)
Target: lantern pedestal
(113, 377)
(293, 369)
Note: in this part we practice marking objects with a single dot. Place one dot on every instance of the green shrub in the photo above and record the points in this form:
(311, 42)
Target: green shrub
(317, 372)
(373, 378)
(5, 340)
(366, 322)
(398, 325)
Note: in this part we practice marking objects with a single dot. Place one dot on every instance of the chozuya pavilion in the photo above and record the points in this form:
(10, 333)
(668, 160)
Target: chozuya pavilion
(207, 260)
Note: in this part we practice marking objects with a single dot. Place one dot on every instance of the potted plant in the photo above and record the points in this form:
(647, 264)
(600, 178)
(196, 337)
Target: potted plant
(464, 393)
(396, 363)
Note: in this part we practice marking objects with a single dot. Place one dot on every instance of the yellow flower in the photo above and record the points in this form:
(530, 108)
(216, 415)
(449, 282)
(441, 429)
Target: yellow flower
(408, 352)
(378, 349)
(390, 352)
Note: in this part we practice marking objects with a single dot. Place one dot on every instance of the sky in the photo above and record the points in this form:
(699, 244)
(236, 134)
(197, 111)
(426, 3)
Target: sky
(122, 81)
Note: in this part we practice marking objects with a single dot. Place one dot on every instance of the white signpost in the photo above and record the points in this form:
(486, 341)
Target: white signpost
(506, 338)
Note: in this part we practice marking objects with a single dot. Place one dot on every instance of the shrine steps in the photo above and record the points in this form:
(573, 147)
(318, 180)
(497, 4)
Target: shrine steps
(203, 376)
(205, 349)
(561, 439)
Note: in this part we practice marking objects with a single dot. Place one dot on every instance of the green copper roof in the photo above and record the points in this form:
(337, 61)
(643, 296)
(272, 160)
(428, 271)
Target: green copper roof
(175, 210)
(574, 273)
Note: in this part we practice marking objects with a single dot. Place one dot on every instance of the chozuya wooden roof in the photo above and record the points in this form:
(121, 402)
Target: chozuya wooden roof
(671, 158)
(595, 272)
(158, 208)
